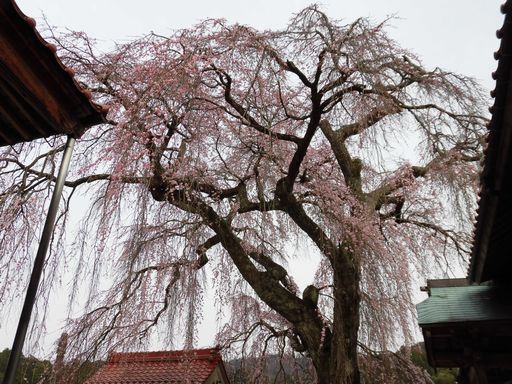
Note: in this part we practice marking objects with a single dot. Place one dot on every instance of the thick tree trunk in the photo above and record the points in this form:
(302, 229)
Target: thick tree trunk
(335, 356)
(333, 352)
(342, 366)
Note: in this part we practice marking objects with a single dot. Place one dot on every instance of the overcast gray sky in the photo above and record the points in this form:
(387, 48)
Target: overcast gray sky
(458, 35)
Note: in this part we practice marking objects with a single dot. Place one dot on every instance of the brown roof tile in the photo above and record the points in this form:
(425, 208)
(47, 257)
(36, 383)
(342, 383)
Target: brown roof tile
(39, 97)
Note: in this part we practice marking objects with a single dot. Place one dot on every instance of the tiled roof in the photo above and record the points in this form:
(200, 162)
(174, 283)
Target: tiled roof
(448, 305)
(39, 95)
(492, 245)
(191, 367)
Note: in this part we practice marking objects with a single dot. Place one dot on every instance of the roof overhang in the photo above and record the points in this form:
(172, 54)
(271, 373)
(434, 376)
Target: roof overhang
(491, 257)
(39, 96)
(467, 326)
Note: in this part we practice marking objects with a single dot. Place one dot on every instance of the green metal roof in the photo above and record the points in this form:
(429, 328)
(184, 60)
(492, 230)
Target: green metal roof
(465, 304)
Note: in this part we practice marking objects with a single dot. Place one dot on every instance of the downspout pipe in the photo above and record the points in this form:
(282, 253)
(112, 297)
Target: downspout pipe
(35, 277)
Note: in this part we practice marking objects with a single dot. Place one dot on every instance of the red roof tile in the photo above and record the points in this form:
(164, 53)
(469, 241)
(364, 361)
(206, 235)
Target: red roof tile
(192, 366)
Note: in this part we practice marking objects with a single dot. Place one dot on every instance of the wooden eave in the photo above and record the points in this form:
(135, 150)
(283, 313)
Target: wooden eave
(39, 96)
(491, 256)
(485, 343)
(464, 325)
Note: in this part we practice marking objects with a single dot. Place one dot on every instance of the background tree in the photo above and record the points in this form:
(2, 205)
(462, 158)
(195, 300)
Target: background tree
(440, 375)
(31, 370)
(229, 148)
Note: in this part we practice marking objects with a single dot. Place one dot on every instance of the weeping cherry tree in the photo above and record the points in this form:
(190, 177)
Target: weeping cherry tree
(227, 152)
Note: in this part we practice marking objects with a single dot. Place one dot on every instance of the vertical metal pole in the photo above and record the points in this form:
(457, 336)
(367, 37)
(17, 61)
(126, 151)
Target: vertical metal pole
(46, 236)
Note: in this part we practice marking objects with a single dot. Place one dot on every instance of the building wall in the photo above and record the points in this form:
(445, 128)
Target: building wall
(216, 377)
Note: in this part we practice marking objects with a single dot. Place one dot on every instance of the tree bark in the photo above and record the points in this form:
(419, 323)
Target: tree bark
(344, 366)
(336, 360)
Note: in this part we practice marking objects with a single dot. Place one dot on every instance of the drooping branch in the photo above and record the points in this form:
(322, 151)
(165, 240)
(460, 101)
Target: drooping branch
(232, 159)
(152, 322)
(384, 193)
(266, 284)
(454, 237)
(247, 118)
(77, 182)
(112, 314)
(290, 66)
(303, 221)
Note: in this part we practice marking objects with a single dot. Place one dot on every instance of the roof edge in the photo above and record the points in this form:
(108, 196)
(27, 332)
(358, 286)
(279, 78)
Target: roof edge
(90, 112)
(499, 144)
